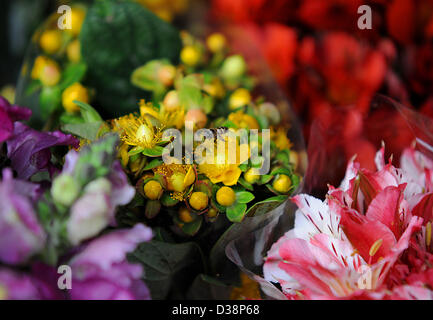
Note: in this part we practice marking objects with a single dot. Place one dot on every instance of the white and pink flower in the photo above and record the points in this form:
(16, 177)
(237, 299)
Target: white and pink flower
(369, 239)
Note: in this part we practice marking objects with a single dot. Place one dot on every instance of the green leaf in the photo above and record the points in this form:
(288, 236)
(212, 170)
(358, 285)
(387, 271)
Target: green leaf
(244, 197)
(193, 227)
(156, 151)
(153, 164)
(208, 288)
(87, 131)
(245, 184)
(50, 100)
(284, 157)
(190, 95)
(88, 113)
(281, 171)
(134, 151)
(168, 201)
(152, 208)
(266, 205)
(236, 212)
(116, 38)
(168, 266)
(146, 77)
(73, 73)
(265, 178)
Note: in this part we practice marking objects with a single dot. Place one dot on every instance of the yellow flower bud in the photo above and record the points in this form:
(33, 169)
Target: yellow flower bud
(239, 98)
(226, 196)
(282, 183)
(251, 176)
(216, 42)
(50, 74)
(212, 213)
(51, 41)
(215, 89)
(74, 51)
(190, 56)
(171, 101)
(74, 92)
(185, 215)
(177, 182)
(77, 19)
(153, 190)
(166, 75)
(197, 117)
(199, 200)
(38, 65)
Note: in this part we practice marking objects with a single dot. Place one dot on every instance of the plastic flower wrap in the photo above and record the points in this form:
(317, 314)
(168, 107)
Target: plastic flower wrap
(368, 239)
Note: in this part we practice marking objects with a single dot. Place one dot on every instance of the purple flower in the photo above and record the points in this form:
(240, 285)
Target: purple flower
(21, 236)
(29, 150)
(8, 115)
(95, 209)
(101, 271)
(16, 285)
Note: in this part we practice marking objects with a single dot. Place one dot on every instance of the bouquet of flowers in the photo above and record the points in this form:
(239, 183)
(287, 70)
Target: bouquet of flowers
(164, 132)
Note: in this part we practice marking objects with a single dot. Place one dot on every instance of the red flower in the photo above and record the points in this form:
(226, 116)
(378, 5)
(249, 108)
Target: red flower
(277, 43)
(330, 14)
(253, 10)
(344, 70)
(417, 16)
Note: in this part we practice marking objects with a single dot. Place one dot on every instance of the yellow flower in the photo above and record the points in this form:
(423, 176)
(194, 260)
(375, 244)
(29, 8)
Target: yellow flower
(137, 131)
(224, 168)
(153, 190)
(239, 98)
(242, 120)
(77, 18)
(199, 200)
(190, 55)
(171, 101)
(51, 41)
(215, 88)
(163, 117)
(40, 63)
(282, 183)
(123, 154)
(279, 137)
(50, 74)
(74, 51)
(212, 213)
(216, 42)
(225, 196)
(179, 178)
(185, 215)
(74, 92)
(251, 176)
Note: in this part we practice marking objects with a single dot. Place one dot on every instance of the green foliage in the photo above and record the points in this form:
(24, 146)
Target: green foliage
(117, 37)
(168, 266)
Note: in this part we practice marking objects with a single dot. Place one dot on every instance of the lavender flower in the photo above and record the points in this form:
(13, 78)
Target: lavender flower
(29, 150)
(101, 271)
(8, 115)
(21, 236)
